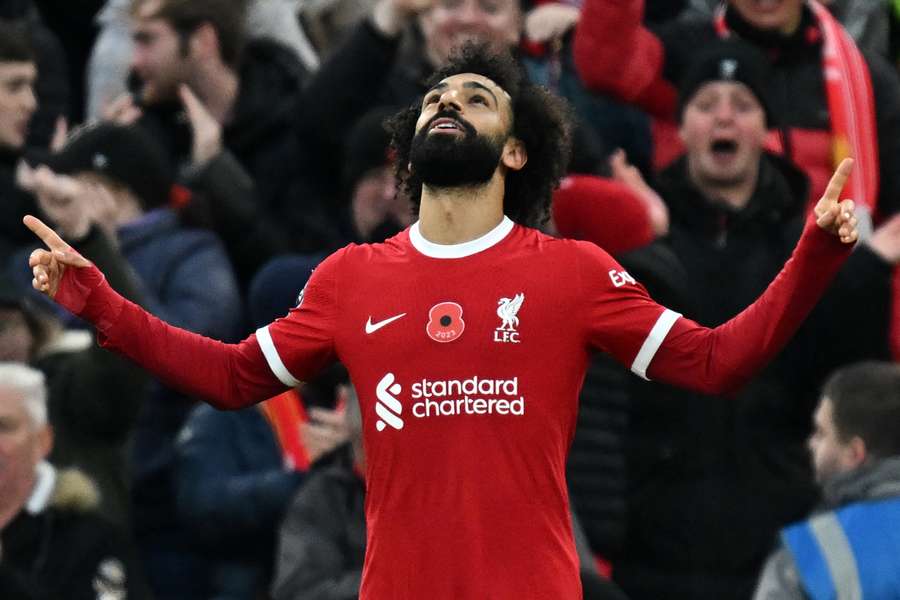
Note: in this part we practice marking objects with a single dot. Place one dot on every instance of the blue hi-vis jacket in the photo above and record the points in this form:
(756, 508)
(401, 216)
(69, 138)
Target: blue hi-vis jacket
(852, 553)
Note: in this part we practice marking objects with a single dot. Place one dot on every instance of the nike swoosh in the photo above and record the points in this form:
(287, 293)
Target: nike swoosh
(373, 327)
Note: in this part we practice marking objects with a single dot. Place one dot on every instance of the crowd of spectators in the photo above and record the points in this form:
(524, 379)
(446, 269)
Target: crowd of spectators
(207, 154)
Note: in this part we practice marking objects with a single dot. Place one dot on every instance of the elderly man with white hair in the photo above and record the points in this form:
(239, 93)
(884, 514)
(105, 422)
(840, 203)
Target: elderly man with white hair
(52, 542)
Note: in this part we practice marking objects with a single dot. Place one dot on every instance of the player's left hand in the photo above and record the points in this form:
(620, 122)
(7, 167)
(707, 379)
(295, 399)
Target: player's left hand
(833, 214)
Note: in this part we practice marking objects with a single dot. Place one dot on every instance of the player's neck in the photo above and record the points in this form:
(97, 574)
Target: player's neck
(461, 214)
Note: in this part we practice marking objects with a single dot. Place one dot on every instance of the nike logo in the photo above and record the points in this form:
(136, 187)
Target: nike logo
(373, 327)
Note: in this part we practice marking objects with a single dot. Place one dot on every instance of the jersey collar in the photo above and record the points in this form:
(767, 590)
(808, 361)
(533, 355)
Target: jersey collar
(432, 250)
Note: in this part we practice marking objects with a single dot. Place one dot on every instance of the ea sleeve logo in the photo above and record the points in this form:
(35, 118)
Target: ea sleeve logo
(445, 322)
(620, 278)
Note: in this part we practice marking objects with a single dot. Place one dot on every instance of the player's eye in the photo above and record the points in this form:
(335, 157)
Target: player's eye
(431, 99)
(478, 99)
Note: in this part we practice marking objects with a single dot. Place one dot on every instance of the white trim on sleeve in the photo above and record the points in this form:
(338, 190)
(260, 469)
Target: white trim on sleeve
(264, 337)
(654, 340)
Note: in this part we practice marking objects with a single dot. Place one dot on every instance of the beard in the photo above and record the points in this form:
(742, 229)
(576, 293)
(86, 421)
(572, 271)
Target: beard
(446, 161)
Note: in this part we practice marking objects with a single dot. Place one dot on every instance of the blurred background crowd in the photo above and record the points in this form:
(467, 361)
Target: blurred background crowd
(206, 154)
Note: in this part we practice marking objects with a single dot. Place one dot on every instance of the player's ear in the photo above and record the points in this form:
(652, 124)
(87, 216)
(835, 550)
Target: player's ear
(514, 154)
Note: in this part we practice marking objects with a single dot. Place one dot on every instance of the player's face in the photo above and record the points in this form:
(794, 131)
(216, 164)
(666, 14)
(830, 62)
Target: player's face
(723, 128)
(461, 132)
(450, 23)
(22, 446)
(17, 102)
(158, 59)
(831, 456)
(780, 15)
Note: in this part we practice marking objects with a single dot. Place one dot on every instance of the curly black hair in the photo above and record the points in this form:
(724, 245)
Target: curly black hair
(541, 121)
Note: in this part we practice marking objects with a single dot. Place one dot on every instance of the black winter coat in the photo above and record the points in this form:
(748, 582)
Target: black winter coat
(323, 538)
(797, 90)
(66, 550)
(271, 204)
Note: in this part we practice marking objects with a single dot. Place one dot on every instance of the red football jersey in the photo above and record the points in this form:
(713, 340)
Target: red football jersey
(467, 360)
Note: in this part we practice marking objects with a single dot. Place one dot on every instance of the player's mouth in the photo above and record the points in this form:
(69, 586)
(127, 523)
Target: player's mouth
(446, 125)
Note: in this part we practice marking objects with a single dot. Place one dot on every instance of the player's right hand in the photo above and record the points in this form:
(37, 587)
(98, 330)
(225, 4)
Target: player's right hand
(48, 266)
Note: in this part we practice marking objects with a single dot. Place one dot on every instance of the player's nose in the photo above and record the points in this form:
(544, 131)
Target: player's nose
(450, 100)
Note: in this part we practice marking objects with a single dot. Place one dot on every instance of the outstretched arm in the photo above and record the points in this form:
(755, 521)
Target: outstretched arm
(226, 375)
(721, 360)
(661, 345)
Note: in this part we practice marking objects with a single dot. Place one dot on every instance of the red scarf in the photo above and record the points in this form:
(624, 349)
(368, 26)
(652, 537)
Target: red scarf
(285, 414)
(851, 105)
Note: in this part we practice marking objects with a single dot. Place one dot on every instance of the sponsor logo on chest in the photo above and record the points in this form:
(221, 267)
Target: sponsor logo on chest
(430, 398)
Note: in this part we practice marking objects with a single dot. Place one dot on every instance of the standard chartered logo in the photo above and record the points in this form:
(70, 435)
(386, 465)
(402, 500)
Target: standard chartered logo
(388, 407)
(448, 398)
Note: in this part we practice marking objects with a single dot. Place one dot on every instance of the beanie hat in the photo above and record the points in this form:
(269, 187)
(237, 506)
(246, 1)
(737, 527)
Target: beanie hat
(125, 155)
(728, 60)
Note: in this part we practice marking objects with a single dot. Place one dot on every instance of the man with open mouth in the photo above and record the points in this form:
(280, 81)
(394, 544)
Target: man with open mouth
(697, 462)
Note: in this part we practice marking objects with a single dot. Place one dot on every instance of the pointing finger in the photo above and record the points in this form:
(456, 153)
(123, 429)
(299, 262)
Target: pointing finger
(833, 191)
(47, 235)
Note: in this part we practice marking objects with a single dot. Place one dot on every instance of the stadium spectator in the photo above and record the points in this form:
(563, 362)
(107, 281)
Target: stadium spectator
(18, 103)
(110, 60)
(53, 541)
(118, 178)
(52, 86)
(322, 541)
(329, 22)
(93, 395)
(377, 210)
(243, 467)
(615, 54)
(865, 20)
(711, 479)
(224, 107)
(849, 546)
(386, 61)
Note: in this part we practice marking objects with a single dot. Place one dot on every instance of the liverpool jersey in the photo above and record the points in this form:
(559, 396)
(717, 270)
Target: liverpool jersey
(467, 361)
